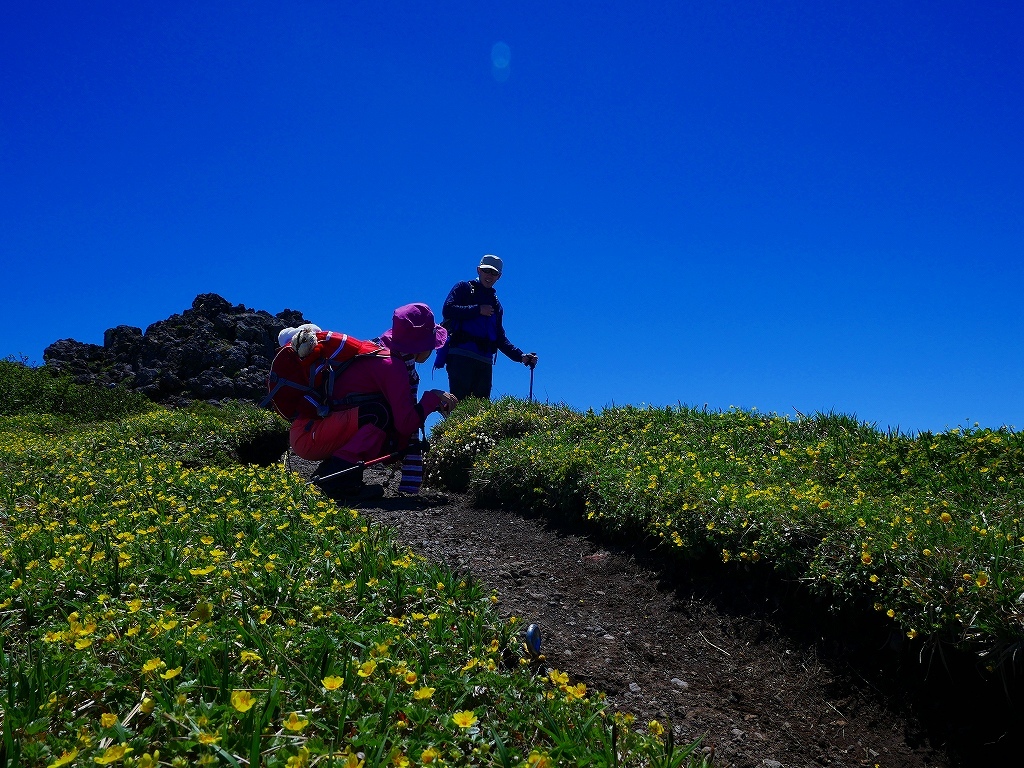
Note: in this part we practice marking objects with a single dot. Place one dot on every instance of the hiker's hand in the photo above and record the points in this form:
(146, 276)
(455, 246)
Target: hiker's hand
(530, 359)
(486, 310)
(446, 401)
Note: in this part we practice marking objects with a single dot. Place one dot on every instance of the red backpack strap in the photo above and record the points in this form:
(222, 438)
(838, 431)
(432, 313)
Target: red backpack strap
(300, 387)
(291, 387)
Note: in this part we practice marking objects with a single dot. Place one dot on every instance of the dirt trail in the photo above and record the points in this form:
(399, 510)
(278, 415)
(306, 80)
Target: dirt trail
(707, 659)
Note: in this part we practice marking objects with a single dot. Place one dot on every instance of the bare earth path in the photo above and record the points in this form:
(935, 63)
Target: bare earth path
(678, 652)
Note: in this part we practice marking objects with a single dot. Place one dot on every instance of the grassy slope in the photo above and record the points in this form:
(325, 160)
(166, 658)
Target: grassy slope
(164, 605)
(926, 529)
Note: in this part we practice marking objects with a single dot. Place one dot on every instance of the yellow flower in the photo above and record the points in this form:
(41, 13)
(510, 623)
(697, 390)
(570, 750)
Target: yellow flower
(469, 664)
(366, 668)
(242, 700)
(294, 722)
(423, 693)
(248, 656)
(113, 754)
(946, 517)
(558, 678)
(83, 643)
(537, 760)
(410, 678)
(333, 682)
(912, 634)
(108, 719)
(147, 705)
(208, 738)
(865, 557)
(149, 760)
(429, 755)
(152, 665)
(982, 579)
(170, 674)
(655, 728)
(135, 606)
(891, 613)
(577, 691)
(464, 719)
(64, 759)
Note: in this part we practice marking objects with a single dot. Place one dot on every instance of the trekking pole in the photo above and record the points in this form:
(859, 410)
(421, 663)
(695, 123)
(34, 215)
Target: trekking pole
(364, 464)
(531, 381)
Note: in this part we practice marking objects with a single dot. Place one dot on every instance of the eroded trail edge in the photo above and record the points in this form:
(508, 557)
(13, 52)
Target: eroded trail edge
(755, 694)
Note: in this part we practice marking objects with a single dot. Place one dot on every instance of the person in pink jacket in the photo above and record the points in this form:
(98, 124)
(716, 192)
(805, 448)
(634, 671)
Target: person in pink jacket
(389, 414)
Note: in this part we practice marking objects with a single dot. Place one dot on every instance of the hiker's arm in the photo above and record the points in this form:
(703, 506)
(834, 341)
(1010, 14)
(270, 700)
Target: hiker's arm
(510, 350)
(455, 306)
(409, 415)
(437, 400)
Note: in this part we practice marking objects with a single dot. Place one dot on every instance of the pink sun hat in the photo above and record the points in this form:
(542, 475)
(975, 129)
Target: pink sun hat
(413, 330)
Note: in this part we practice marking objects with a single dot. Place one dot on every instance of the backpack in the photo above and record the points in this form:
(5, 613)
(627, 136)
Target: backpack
(300, 387)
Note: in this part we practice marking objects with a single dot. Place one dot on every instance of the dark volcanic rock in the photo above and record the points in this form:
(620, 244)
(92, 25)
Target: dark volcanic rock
(212, 351)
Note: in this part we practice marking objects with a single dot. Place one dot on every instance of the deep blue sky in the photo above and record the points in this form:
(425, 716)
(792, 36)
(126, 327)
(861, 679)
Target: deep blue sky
(806, 206)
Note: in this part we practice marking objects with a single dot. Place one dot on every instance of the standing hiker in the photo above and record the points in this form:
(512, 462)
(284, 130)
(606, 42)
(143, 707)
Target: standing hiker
(473, 317)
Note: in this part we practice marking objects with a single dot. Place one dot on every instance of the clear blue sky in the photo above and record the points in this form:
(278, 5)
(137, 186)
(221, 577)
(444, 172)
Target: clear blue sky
(806, 206)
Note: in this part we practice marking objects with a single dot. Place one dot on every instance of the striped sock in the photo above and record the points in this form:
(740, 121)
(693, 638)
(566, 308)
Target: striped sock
(412, 473)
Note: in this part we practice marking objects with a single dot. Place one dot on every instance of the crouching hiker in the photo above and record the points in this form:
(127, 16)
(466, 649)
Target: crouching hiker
(304, 370)
(412, 462)
(379, 386)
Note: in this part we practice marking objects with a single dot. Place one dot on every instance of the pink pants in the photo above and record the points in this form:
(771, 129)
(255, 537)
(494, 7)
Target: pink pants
(316, 439)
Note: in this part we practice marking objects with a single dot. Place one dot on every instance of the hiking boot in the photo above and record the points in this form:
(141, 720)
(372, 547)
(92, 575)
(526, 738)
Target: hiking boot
(333, 479)
(365, 493)
(349, 493)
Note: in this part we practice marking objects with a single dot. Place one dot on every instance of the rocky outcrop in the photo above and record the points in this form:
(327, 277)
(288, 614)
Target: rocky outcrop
(213, 351)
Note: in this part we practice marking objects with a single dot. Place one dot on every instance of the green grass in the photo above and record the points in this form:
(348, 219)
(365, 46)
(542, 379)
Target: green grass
(27, 390)
(162, 605)
(924, 529)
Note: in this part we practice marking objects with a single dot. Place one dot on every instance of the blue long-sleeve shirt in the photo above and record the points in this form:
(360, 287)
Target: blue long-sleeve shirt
(471, 333)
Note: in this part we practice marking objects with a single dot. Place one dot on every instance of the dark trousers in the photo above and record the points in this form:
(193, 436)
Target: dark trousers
(468, 377)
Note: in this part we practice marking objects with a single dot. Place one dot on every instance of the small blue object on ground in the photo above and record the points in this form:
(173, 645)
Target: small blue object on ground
(533, 639)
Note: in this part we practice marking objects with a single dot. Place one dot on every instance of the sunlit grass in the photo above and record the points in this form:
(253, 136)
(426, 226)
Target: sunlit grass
(926, 529)
(161, 605)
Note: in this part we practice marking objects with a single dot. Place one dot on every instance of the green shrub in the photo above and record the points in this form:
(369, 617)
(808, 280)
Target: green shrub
(24, 390)
(475, 427)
